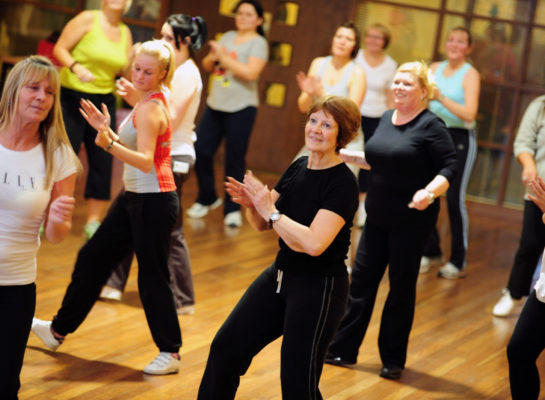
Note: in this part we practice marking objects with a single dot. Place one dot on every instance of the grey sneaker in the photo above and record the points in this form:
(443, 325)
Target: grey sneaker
(198, 210)
(42, 329)
(163, 364)
(450, 271)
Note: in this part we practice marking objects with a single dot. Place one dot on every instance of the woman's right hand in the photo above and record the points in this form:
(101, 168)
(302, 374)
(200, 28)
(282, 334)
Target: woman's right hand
(93, 116)
(529, 174)
(83, 73)
(238, 193)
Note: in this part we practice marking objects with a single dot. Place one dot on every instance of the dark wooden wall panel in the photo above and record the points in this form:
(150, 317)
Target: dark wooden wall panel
(278, 131)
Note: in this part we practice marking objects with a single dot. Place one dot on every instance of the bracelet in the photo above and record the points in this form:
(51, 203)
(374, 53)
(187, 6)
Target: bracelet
(431, 196)
(110, 145)
(71, 67)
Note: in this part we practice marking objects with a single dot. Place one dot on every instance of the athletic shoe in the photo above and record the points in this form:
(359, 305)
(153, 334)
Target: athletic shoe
(450, 271)
(110, 293)
(426, 263)
(233, 219)
(42, 329)
(163, 364)
(198, 210)
(186, 310)
(504, 307)
(90, 228)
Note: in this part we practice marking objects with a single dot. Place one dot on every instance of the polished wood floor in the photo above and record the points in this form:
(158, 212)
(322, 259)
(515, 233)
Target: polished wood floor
(456, 351)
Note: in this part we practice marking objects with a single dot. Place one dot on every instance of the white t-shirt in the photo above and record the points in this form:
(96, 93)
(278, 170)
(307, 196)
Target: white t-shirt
(186, 79)
(379, 79)
(23, 201)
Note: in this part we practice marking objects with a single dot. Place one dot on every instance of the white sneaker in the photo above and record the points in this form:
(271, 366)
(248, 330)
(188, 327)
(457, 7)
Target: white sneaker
(450, 271)
(163, 364)
(110, 293)
(42, 329)
(186, 310)
(198, 210)
(233, 219)
(426, 263)
(504, 307)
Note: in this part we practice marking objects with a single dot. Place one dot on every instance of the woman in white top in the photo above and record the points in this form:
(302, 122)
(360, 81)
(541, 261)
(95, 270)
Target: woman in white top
(38, 168)
(379, 69)
(336, 74)
(186, 34)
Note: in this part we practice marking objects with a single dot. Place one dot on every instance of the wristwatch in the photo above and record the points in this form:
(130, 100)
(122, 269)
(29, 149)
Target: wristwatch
(275, 216)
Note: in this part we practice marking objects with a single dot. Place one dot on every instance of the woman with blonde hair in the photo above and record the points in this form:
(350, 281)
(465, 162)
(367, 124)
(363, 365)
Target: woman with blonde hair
(38, 170)
(411, 160)
(140, 219)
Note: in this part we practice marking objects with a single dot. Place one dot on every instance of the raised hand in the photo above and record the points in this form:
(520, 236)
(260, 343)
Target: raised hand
(93, 116)
(538, 187)
(126, 90)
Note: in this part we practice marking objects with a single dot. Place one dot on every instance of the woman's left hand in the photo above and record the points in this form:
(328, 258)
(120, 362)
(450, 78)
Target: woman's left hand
(93, 116)
(420, 200)
(103, 138)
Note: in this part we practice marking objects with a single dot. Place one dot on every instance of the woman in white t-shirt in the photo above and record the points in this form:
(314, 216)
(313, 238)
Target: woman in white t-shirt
(38, 169)
(380, 69)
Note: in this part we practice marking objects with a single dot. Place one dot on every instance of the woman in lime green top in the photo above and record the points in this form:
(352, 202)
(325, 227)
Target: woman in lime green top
(93, 48)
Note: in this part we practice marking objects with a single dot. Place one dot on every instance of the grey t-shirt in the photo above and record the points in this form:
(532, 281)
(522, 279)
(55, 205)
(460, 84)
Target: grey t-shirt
(229, 93)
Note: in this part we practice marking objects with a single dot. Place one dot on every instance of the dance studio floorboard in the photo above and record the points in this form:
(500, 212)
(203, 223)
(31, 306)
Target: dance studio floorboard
(456, 349)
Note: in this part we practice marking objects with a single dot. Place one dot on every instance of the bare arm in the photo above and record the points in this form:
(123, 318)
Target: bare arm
(58, 221)
(421, 199)
(472, 88)
(355, 157)
(249, 71)
(529, 169)
(312, 240)
(150, 121)
(310, 85)
(357, 86)
(70, 36)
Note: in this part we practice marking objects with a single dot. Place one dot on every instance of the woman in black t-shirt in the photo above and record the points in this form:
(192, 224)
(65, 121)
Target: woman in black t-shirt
(302, 296)
(412, 160)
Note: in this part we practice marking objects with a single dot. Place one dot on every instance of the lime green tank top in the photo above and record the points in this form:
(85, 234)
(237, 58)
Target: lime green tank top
(102, 57)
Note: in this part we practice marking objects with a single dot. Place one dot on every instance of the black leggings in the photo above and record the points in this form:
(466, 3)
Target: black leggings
(17, 304)
(139, 221)
(306, 312)
(525, 346)
(532, 241)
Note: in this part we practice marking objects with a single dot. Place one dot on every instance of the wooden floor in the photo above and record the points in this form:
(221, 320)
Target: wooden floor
(456, 350)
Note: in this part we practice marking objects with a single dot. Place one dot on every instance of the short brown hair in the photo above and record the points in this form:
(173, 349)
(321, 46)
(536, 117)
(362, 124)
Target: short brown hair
(386, 35)
(345, 113)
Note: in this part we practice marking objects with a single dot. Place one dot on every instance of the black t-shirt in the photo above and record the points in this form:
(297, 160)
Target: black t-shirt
(404, 159)
(303, 192)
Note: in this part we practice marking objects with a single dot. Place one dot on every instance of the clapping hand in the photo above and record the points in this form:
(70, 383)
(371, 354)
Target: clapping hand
(238, 192)
(311, 85)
